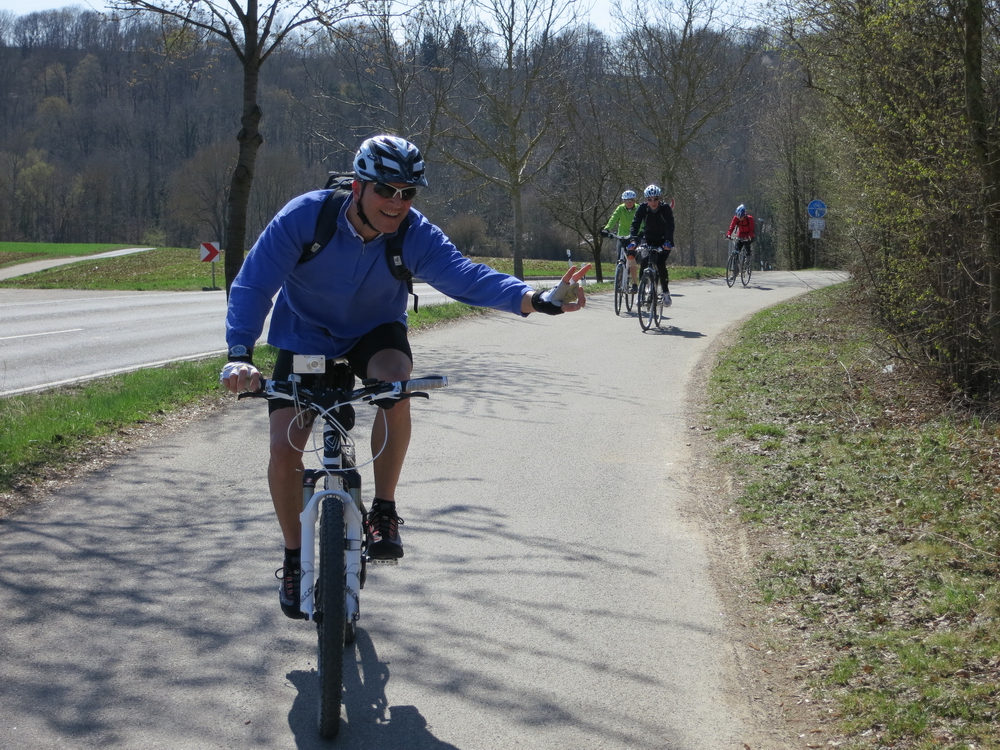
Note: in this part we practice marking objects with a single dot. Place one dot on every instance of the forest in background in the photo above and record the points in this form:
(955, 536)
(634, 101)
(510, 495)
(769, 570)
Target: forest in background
(123, 130)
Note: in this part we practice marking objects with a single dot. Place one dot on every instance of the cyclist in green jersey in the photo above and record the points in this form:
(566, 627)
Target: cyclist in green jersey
(619, 225)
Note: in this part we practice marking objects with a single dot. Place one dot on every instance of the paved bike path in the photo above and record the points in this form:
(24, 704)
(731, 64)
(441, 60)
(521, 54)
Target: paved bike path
(556, 590)
(34, 266)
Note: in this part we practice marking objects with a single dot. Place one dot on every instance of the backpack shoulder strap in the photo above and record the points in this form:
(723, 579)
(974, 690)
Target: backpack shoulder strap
(326, 224)
(394, 257)
(394, 252)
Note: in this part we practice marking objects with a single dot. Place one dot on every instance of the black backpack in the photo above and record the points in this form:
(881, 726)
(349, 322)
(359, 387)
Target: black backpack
(339, 185)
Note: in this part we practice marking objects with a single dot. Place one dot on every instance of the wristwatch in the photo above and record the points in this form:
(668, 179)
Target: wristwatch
(240, 353)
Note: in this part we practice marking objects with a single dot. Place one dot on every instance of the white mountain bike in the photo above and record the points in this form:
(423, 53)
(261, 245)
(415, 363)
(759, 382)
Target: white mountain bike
(334, 559)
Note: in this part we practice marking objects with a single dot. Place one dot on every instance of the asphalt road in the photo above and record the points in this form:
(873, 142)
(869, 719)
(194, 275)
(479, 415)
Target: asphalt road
(556, 593)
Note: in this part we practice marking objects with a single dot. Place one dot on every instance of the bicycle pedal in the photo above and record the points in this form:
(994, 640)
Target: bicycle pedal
(374, 561)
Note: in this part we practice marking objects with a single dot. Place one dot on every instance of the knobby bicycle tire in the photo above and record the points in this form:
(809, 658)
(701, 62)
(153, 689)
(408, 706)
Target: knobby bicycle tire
(646, 301)
(629, 294)
(732, 269)
(746, 267)
(619, 287)
(330, 608)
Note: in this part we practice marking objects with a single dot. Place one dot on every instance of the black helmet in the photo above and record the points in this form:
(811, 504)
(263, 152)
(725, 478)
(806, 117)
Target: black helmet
(388, 158)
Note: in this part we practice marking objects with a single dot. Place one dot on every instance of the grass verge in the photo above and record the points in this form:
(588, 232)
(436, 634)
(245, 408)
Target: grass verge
(878, 507)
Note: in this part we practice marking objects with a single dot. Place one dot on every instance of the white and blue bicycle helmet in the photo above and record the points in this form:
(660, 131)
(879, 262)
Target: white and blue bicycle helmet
(741, 211)
(389, 158)
(628, 195)
(652, 191)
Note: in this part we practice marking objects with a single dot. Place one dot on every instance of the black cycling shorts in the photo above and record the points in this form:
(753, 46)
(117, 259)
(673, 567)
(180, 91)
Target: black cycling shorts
(339, 375)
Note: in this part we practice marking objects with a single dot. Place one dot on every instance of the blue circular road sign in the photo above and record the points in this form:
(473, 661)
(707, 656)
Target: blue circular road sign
(817, 209)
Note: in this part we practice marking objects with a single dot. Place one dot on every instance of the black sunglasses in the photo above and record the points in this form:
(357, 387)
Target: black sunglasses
(388, 191)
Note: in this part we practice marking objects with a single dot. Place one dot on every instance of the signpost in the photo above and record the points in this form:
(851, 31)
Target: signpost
(210, 254)
(816, 211)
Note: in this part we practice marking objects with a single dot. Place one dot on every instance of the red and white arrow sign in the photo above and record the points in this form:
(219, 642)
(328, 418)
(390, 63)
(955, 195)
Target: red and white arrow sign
(209, 252)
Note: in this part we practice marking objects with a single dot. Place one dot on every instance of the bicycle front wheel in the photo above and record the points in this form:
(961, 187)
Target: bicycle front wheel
(732, 271)
(629, 294)
(646, 301)
(620, 278)
(330, 615)
(657, 305)
(746, 267)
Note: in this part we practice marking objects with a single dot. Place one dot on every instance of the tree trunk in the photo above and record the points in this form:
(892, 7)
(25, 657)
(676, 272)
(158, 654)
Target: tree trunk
(989, 168)
(515, 200)
(249, 139)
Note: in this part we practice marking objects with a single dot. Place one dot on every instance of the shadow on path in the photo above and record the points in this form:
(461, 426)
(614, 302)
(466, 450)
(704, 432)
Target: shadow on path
(366, 718)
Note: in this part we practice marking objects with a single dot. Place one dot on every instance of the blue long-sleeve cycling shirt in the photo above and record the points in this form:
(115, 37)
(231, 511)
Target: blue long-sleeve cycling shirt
(325, 305)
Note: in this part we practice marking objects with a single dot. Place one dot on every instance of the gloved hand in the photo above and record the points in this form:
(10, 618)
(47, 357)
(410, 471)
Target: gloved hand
(240, 376)
(606, 233)
(631, 246)
(668, 246)
(568, 292)
(551, 301)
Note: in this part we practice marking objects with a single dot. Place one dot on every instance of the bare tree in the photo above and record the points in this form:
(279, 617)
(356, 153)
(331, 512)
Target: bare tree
(253, 31)
(684, 69)
(504, 115)
(381, 58)
(589, 175)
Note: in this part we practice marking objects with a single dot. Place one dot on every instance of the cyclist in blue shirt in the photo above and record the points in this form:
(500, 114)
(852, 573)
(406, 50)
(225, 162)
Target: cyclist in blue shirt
(654, 224)
(345, 303)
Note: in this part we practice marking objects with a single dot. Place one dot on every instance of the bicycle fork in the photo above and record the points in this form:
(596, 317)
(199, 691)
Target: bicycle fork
(354, 533)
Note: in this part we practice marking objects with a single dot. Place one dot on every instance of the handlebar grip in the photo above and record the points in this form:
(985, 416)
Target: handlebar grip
(424, 384)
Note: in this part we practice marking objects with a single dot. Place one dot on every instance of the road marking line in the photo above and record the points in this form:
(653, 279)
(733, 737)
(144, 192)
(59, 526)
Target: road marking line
(46, 333)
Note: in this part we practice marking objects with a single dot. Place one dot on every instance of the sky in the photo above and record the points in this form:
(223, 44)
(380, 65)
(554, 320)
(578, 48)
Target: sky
(600, 14)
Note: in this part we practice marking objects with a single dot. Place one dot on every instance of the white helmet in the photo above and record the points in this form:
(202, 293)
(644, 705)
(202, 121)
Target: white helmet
(652, 191)
(628, 195)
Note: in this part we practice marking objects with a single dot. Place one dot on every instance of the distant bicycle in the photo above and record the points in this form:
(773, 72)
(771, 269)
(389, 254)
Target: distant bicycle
(648, 302)
(740, 262)
(334, 560)
(623, 282)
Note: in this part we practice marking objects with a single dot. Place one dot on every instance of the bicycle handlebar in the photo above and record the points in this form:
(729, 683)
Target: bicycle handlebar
(326, 399)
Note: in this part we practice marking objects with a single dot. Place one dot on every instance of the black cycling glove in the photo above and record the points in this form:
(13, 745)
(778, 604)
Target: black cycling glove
(542, 305)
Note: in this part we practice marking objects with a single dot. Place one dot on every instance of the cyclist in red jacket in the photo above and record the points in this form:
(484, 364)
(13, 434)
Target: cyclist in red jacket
(743, 225)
